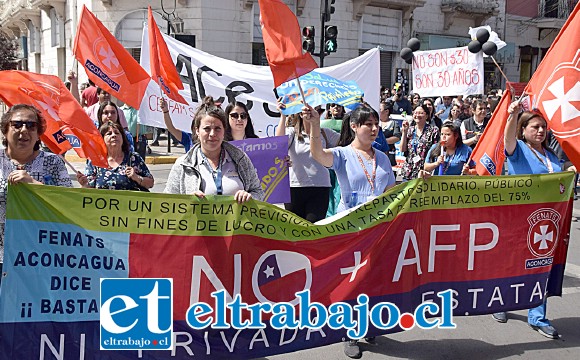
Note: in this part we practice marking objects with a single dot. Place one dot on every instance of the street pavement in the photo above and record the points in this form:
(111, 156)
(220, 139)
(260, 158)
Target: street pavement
(476, 337)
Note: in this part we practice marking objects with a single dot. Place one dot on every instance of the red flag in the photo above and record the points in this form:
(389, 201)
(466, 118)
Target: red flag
(555, 87)
(283, 42)
(489, 154)
(107, 63)
(163, 70)
(68, 126)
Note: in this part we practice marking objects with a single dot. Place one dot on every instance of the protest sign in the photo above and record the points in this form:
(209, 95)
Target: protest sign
(268, 156)
(450, 72)
(496, 243)
(319, 89)
(227, 81)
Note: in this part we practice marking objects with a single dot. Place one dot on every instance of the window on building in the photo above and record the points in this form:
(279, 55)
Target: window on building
(56, 29)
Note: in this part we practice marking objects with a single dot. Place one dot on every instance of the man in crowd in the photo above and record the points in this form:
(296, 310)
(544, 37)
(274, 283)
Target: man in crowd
(400, 103)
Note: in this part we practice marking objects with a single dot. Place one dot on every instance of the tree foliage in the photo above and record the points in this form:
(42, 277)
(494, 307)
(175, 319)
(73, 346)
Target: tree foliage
(8, 53)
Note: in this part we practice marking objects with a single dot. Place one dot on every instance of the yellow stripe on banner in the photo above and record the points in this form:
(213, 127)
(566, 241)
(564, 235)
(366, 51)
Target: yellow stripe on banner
(273, 185)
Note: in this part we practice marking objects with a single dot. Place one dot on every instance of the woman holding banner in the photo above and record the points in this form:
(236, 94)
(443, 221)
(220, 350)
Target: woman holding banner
(309, 181)
(416, 141)
(127, 169)
(213, 166)
(449, 157)
(527, 152)
(22, 161)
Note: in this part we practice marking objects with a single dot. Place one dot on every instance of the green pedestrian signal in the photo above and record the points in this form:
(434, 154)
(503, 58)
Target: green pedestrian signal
(330, 34)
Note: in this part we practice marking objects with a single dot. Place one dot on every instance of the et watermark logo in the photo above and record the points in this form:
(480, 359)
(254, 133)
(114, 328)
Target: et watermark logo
(136, 314)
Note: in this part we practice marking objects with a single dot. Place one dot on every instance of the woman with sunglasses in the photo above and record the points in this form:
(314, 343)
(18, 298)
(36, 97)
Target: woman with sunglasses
(22, 161)
(127, 169)
(239, 125)
(309, 181)
(213, 166)
(333, 118)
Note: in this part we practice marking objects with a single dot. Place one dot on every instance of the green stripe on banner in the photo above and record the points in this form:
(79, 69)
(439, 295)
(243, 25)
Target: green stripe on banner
(166, 214)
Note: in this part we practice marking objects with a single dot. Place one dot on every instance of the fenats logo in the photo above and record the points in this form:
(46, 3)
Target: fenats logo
(542, 236)
(136, 314)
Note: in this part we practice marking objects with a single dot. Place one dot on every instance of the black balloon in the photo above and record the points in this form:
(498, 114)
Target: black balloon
(414, 44)
(482, 35)
(474, 46)
(409, 61)
(489, 48)
(406, 54)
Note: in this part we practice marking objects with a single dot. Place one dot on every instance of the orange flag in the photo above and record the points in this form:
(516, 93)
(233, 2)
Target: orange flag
(163, 70)
(489, 154)
(107, 63)
(68, 126)
(283, 42)
(555, 87)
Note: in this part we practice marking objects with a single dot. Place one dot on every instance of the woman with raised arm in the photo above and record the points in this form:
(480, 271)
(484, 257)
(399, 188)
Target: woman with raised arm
(527, 152)
(363, 172)
(309, 181)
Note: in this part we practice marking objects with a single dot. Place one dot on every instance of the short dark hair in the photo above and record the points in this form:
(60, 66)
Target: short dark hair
(111, 125)
(7, 117)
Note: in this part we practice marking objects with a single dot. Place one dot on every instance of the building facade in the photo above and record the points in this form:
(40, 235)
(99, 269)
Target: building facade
(230, 29)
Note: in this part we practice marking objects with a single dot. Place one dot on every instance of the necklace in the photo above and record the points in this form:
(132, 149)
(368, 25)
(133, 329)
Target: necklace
(373, 161)
(546, 163)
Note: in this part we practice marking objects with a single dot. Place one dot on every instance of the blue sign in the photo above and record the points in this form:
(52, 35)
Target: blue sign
(136, 314)
(319, 89)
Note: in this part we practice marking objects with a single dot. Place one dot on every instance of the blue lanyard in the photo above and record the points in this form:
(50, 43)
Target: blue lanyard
(217, 173)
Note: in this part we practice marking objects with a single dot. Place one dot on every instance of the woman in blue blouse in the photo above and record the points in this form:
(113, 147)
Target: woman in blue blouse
(455, 156)
(527, 152)
(126, 171)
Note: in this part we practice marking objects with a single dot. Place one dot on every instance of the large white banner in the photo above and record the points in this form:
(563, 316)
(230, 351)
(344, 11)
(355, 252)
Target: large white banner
(227, 81)
(450, 72)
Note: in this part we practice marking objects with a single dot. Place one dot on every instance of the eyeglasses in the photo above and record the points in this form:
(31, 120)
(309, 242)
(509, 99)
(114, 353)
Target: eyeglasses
(236, 116)
(30, 125)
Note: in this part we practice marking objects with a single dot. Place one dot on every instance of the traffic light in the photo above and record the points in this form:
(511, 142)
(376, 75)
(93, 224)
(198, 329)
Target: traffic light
(327, 9)
(308, 43)
(330, 34)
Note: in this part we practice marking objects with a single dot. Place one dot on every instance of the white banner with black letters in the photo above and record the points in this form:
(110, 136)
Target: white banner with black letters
(227, 81)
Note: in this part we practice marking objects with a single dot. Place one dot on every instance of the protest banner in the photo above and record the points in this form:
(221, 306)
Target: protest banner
(497, 244)
(454, 71)
(268, 156)
(319, 89)
(228, 81)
